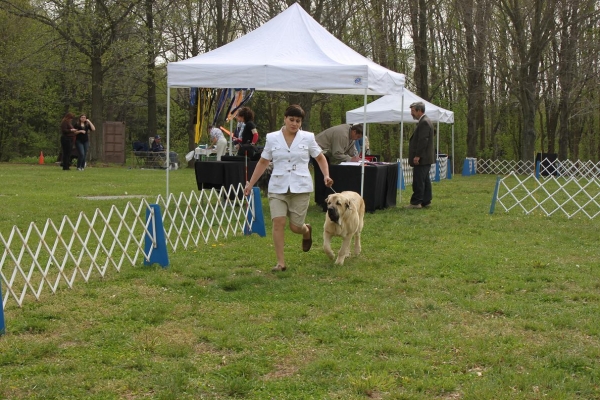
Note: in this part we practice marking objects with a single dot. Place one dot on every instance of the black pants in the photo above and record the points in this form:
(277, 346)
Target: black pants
(247, 150)
(421, 185)
(66, 143)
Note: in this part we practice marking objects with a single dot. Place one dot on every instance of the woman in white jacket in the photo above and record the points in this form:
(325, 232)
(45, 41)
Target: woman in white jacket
(290, 185)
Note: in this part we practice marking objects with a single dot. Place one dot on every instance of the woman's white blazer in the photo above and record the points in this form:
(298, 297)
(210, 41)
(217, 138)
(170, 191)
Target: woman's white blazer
(290, 164)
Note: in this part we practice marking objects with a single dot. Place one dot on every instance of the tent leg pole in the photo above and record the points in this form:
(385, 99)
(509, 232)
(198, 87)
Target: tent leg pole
(362, 169)
(168, 138)
(453, 170)
(401, 142)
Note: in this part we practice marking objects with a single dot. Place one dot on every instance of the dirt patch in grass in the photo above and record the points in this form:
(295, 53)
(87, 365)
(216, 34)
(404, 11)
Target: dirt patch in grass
(127, 196)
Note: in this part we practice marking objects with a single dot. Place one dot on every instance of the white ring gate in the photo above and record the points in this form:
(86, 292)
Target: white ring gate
(57, 255)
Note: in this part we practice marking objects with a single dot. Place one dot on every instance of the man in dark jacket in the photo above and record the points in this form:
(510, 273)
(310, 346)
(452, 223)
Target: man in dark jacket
(420, 157)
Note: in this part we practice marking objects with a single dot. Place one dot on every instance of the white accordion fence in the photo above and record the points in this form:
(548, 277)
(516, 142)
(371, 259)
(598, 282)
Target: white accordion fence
(556, 168)
(439, 171)
(504, 167)
(549, 188)
(55, 255)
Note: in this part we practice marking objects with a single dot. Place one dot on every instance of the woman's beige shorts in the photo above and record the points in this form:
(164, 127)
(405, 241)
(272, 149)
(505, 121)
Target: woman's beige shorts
(291, 205)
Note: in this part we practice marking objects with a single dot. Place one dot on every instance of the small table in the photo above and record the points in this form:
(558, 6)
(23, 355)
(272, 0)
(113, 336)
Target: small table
(203, 154)
(380, 184)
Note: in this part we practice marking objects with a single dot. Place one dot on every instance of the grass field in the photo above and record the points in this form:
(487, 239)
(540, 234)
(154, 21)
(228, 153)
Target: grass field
(444, 303)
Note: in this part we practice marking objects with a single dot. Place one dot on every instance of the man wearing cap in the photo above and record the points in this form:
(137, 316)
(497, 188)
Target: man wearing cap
(157, 145)
(337, 142)
(173, 156)
(420, 157)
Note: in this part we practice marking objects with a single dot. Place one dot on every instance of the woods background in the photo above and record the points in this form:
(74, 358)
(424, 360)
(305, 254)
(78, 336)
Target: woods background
(522, 76)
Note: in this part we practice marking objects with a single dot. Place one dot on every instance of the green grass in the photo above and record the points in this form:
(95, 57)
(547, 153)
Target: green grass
(445, 303)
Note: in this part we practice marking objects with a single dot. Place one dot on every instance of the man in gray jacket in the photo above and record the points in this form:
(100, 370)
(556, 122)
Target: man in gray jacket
(337, 142)
(420, 157)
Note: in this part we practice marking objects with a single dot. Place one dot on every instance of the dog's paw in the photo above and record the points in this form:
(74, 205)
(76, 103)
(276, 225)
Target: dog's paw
(340, 260)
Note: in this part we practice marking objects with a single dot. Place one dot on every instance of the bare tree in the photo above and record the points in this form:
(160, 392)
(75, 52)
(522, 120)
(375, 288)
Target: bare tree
(419, 23)
(475, 20)
(574, 72)
(531, 24)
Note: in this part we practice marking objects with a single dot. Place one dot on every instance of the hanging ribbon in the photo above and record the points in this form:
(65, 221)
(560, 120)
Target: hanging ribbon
(235, 103)
(223, 96)
(244, 101)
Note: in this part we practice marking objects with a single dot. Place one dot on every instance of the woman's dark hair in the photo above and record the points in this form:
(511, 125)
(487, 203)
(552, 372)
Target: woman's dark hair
(67, 117)
(294, 110)
(246, 113)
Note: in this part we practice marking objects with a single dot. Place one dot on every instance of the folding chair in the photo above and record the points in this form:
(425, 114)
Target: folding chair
(140, 151)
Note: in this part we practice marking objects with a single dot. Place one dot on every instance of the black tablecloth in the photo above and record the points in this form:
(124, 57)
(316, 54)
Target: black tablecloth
(380, 184)
(215, 174)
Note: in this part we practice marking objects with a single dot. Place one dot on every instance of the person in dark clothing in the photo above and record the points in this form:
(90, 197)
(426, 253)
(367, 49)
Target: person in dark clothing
(66, 139)
(420, 157)
(157, 147)
(83, 126)
(249, 135)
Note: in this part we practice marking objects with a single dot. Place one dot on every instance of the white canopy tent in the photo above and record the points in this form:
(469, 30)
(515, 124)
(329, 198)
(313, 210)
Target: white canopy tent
(394, 109)
(388, 110)
(290, 53)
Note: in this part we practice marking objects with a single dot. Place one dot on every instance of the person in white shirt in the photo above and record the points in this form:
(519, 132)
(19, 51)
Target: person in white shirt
(290, 185)
(218, 140)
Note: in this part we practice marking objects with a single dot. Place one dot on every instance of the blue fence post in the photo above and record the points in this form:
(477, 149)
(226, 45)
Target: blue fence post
(258, 225)
(537, 169)
(159, 253)
(493, 206)
(449, 168)
(2, 326)
(466, 168)
(437, 171)
(400, 184)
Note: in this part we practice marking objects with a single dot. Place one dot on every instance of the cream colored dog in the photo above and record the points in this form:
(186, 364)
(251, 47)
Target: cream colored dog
(345, 218)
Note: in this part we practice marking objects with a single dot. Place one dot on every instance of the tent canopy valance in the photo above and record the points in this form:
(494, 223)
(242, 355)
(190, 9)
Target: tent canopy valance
(293, 53)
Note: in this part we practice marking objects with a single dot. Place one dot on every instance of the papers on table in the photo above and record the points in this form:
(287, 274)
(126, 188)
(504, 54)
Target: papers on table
(366, 163)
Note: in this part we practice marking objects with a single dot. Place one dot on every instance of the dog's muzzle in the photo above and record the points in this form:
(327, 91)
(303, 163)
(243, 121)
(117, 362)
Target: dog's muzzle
(333, 214)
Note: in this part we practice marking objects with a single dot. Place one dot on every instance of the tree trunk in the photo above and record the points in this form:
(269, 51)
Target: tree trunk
(419, 35)
(151, 67)
(474, 19)
(96, 139)
(528, 109)
(551, 125)
(472, 77)
(531, 25)
(566, 70)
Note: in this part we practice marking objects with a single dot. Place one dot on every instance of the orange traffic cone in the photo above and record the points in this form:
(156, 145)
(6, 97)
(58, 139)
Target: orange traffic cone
(41, 157)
